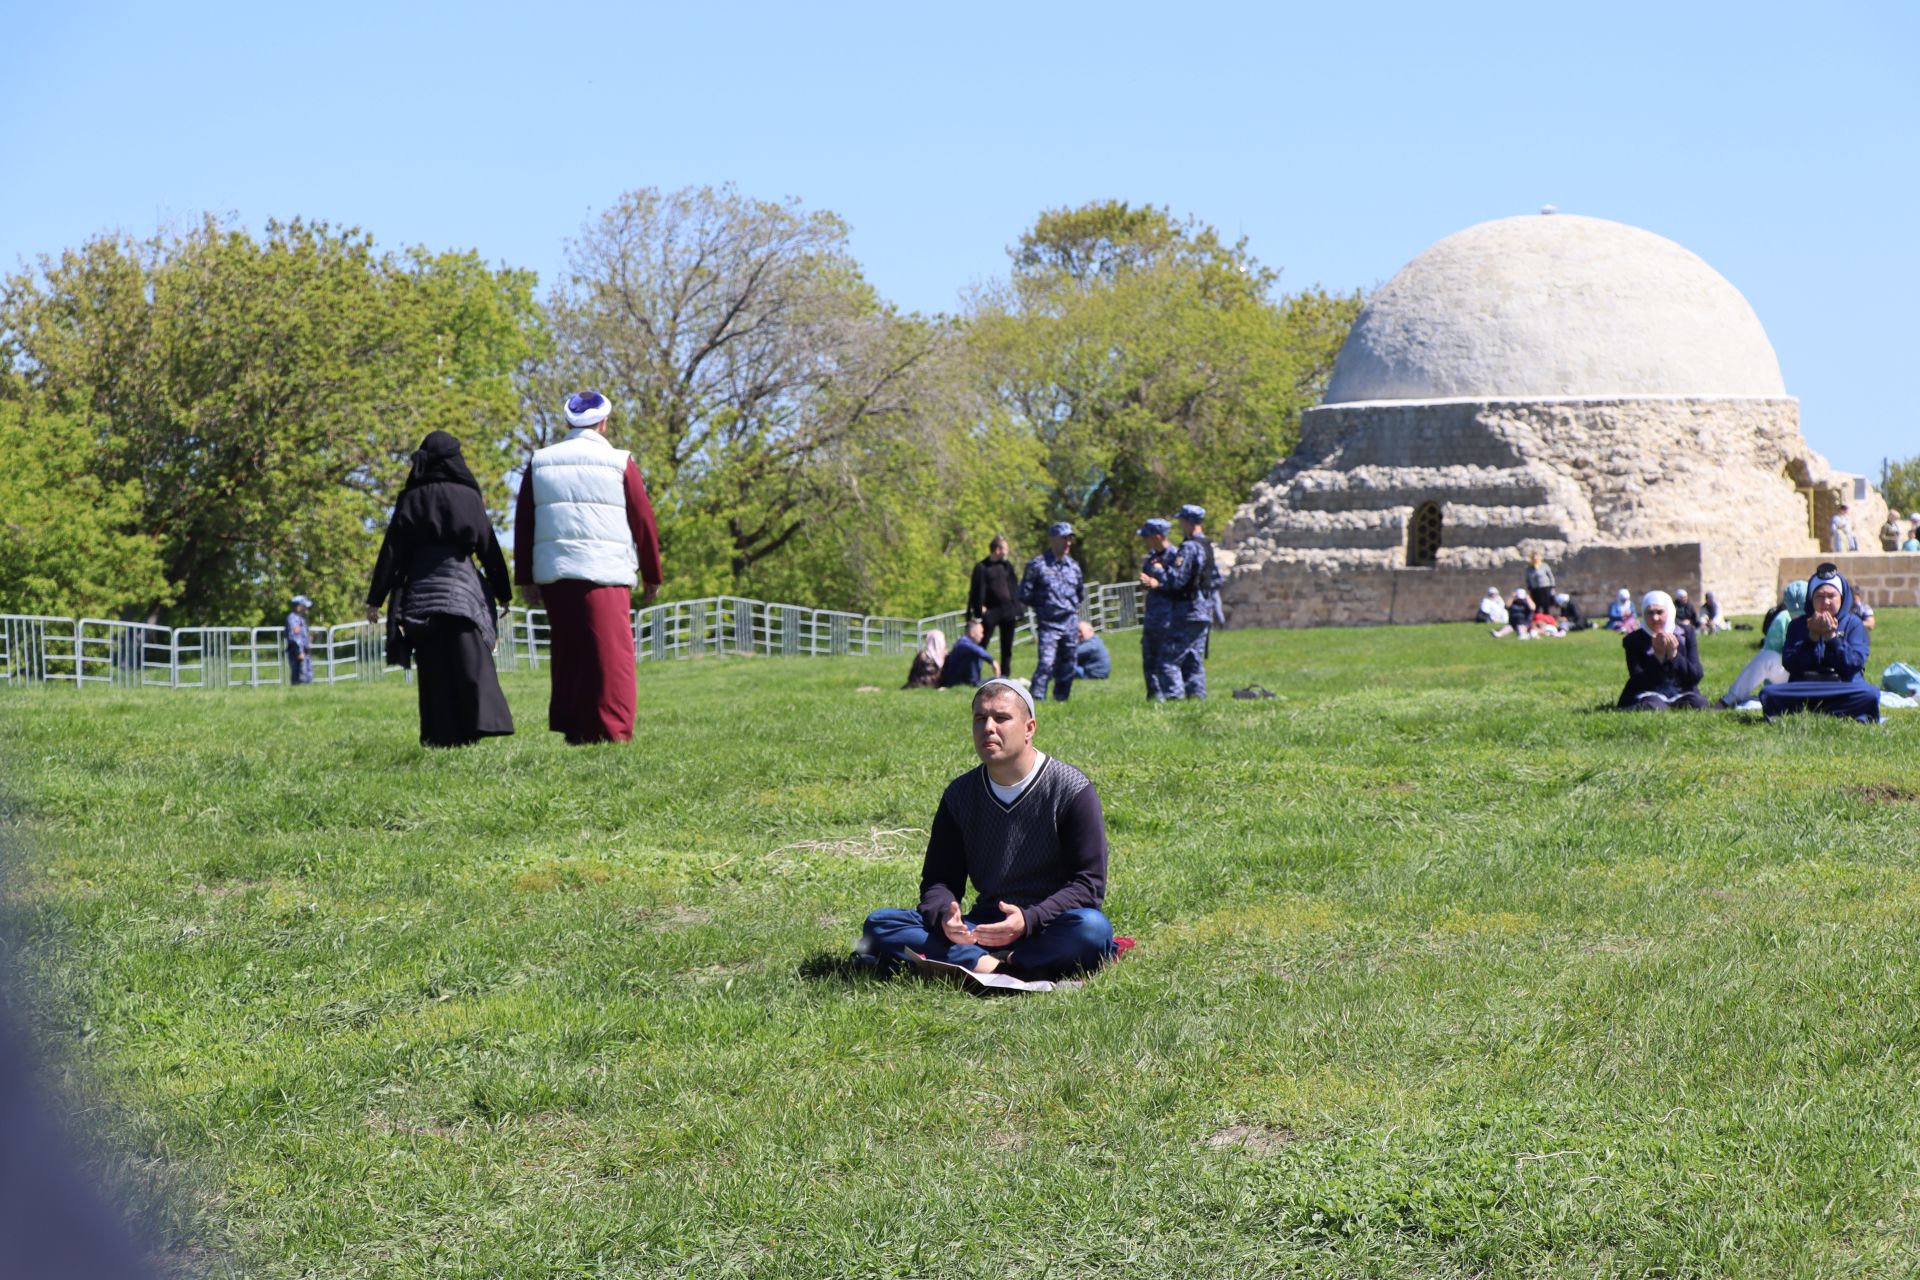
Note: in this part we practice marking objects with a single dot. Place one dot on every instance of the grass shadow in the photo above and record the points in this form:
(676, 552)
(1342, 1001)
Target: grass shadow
(834, 966)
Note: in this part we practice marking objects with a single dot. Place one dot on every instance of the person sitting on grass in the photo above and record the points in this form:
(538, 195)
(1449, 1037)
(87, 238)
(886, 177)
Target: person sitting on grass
(1825, 655)
(1683, 611)
(1492, 608)
(1027, 831)
(1711, 619)
(1519, 616)
(1091, 661)
(962, 666)
(1663, 661)
(1766, 667)
(929, 660)
(1620, 613)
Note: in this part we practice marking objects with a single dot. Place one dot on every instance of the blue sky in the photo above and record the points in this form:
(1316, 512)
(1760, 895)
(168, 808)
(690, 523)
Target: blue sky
(1776, 141)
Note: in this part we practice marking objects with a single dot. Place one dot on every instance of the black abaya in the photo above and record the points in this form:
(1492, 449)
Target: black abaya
(460, 698)
(443, 605)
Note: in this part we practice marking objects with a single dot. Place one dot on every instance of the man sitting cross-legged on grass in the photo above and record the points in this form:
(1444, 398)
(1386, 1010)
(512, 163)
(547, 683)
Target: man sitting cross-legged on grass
(1028, 832)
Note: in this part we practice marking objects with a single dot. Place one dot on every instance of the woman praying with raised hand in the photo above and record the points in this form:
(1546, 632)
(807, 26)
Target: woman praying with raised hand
(1663, 661)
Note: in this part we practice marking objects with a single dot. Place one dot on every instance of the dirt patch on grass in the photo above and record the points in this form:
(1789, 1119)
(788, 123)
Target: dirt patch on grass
(563, 873)
(1254, 1139)
(673, 917)
(229, 888)
(1884, 793)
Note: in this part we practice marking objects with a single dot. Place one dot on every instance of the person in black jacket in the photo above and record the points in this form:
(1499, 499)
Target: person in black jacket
(994, 599)
(442, 612)
(1663, 661)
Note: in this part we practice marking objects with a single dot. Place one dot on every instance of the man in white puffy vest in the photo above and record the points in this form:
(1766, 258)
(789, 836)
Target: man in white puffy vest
(583, 536)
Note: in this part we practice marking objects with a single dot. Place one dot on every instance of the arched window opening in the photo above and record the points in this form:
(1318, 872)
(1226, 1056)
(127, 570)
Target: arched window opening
(1798, 479)
(1423, 536)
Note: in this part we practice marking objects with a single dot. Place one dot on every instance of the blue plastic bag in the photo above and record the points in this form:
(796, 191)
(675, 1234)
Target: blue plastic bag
(1901, 679)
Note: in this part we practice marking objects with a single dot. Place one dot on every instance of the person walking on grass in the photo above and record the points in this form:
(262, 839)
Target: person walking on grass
(299, 641)
(583, 534)
(1054, 589)
(1027, 832)
(994, 598)
(442, 616)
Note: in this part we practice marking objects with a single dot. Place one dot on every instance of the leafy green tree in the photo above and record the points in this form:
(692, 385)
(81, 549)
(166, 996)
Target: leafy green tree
(749, 362)
(261, 396)
(1154, 365)
(1900, 485)
(69, 541)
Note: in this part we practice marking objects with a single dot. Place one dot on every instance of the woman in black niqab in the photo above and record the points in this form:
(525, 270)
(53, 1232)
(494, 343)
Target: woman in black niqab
(442, 613)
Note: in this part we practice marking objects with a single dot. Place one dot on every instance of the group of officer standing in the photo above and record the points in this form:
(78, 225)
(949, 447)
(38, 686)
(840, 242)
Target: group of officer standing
(1183, 602)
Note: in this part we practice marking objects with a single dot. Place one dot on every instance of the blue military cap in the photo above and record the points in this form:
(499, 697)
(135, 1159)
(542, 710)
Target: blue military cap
(1155, 525)
(1060, 529)
(1197, 514)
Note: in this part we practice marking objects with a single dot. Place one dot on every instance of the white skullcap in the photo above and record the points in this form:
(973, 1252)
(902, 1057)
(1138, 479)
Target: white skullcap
(587, 409)
(1005, 683)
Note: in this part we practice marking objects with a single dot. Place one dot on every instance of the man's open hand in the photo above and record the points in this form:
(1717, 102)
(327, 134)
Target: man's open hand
(958, 931)
(1003, 932)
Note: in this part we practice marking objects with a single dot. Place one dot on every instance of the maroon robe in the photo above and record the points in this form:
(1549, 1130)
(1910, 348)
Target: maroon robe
(590, 627)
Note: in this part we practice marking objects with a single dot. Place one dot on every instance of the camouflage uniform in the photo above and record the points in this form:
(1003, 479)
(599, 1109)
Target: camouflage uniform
(1154, 620)
(1052, 587)
(1178, 611)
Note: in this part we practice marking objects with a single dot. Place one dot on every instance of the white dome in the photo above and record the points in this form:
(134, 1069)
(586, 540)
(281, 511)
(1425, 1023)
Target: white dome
(1555, 305)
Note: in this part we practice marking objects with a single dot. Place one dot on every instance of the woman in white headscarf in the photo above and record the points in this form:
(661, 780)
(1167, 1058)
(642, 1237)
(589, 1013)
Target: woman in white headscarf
(1620, 612)
(1663, 661)
(1492, 608)
(932, 655)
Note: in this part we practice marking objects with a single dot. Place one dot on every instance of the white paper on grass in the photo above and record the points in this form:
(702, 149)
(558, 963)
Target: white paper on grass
(987, 983)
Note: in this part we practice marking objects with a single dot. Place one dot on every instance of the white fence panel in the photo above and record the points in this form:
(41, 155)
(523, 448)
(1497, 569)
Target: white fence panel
(99, 651)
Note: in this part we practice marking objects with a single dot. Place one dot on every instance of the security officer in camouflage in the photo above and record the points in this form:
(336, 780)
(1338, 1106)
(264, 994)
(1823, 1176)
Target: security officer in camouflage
(1159, 610)
(1053, 588)
(1192, 518)
(1177, 604)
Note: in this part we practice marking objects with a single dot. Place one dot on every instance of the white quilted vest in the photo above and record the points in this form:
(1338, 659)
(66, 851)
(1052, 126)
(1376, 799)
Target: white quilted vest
(580, 512)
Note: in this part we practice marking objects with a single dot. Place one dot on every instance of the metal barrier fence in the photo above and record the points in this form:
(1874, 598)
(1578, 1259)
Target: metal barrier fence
(100, 651)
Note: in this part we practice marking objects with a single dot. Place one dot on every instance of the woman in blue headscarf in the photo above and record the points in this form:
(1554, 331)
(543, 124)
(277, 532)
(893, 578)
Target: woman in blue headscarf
(1825, 656)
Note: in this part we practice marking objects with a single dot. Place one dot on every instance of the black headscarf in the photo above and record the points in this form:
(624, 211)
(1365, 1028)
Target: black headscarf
(438, 460)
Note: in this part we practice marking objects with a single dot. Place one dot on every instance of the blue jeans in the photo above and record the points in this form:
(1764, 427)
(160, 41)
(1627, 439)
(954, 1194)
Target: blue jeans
(1073, 942)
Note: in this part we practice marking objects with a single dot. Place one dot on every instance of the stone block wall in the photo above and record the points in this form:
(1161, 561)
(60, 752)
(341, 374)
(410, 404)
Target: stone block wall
(1303, 594)
(1888, 579)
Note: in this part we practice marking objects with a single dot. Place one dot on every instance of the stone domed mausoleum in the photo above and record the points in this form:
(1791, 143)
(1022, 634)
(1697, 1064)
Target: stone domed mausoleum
(1548, 383)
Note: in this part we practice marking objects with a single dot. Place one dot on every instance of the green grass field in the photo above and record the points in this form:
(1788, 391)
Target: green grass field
(1443, 972)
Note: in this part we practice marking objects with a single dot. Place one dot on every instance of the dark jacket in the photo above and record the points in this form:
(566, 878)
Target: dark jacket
(993, 597)
(1841, 656)
(1685, 612)
(1648, 674)
(1519, 614)
(963, 664)
(427, 563)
